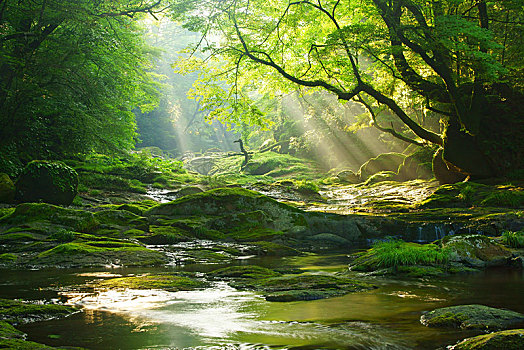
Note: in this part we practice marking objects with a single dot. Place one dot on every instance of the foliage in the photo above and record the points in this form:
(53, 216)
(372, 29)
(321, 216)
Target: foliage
(400, 59)
(71, 73)
(513, 239)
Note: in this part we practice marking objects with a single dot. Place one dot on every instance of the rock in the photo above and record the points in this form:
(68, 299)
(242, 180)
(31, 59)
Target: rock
(303, 287)
(348, 176)
(444, 173)
(476, 251)
(234, 210)
(201, 165)
(508, 340)
(50, 182)
(185, 191)
(7, 189)
(472, 317)
(383, 162)
(381, 176)
(121, 220)
(329, 240)
(165, 281)
(15, 311)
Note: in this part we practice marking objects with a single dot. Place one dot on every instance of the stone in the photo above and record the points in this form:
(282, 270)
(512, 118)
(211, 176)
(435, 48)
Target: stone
(49, 182)
(383, 162)
(508, 340)
(472, 317)
(348, 176)
(476, 251)
(7, 189)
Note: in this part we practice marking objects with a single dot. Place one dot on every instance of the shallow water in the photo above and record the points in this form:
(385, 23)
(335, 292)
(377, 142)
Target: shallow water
(221, 317)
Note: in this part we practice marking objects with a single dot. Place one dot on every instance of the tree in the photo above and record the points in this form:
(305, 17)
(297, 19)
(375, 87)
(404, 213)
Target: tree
(71, 72)
(450, 55)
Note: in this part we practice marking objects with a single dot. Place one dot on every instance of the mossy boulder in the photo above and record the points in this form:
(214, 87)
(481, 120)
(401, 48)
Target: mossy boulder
(476, 251)
(383, 162)
(507, 340)
(234, 210)
(15, 311)
(165, 281)
(472, 317)
(417, 165)
(98, 254)
(302, 287)
(50, 218)
(380, 177)
(348, 176)
(50, 182)
(249, 271)
(7, 189)
(122, 220)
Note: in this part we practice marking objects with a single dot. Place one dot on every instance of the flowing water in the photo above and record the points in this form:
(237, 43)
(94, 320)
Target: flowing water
(221, 317)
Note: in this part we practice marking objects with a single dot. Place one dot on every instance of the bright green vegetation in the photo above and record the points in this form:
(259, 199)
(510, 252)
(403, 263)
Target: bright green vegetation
(396, 253)
(472, 317)
(509, 340)
(513, 239)
(166, 281)
(17, 311)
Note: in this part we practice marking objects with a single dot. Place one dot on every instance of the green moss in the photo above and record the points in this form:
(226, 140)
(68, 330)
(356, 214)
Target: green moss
(17, 311)
(250, 271)
(17, 237)
(6, 211)
(8, 257)
(472, 317)
(507, 340)
(166, 281)
(63, 236)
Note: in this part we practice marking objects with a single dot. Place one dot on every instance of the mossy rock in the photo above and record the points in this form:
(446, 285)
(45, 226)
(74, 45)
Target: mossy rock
(232, 208)
(77, 220)
(264, 248)
(476, 250)
(383, 162)
(250, 271)
(303, 287)
(165, 281)
(98, 254)
(507, 340)
(50, 182)
(380, 177)
(121, 220)
(348, 176)
(7, 189)
(472, 317)
(15, 311)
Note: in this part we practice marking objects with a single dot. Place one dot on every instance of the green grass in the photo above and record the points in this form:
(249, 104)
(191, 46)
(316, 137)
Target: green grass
(513, 239)
(395, 253)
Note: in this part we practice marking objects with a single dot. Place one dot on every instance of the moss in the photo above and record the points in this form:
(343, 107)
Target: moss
(303, 287)
(17, 311)
(78, 220)
(476, 250)
(63, 236)
(6, 211)
(507, 340)
(51, 182)
(121, 220)
(472, 317)
(250, 271)
(8, 257)
(166, 281)
(17, 237)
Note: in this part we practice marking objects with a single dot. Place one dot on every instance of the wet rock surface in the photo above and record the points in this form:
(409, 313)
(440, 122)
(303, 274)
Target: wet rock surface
(508, 340)
(472, 317)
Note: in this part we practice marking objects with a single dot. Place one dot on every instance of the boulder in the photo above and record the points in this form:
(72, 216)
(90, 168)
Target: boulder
(49, 182)
(7, 189)
(472, 317)
(508, 340)
(383, 162)
(476, 251)
(201, 165)
(348, 176)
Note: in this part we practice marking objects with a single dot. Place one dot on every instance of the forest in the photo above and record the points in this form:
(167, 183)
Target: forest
(247, 174)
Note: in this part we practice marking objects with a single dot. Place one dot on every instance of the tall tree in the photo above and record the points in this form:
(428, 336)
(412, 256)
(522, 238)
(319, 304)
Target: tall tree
(71, 71)
(453, 55)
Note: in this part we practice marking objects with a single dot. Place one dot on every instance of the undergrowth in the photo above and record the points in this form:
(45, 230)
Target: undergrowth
(513, 239)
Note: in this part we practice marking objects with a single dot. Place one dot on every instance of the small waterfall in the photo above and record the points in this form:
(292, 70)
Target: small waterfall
(439, 232)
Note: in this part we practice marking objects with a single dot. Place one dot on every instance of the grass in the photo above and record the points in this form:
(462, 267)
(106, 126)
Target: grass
(395, 253)
(513, 239)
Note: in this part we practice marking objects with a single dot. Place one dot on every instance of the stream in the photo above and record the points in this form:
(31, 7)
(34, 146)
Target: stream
(220, 317)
